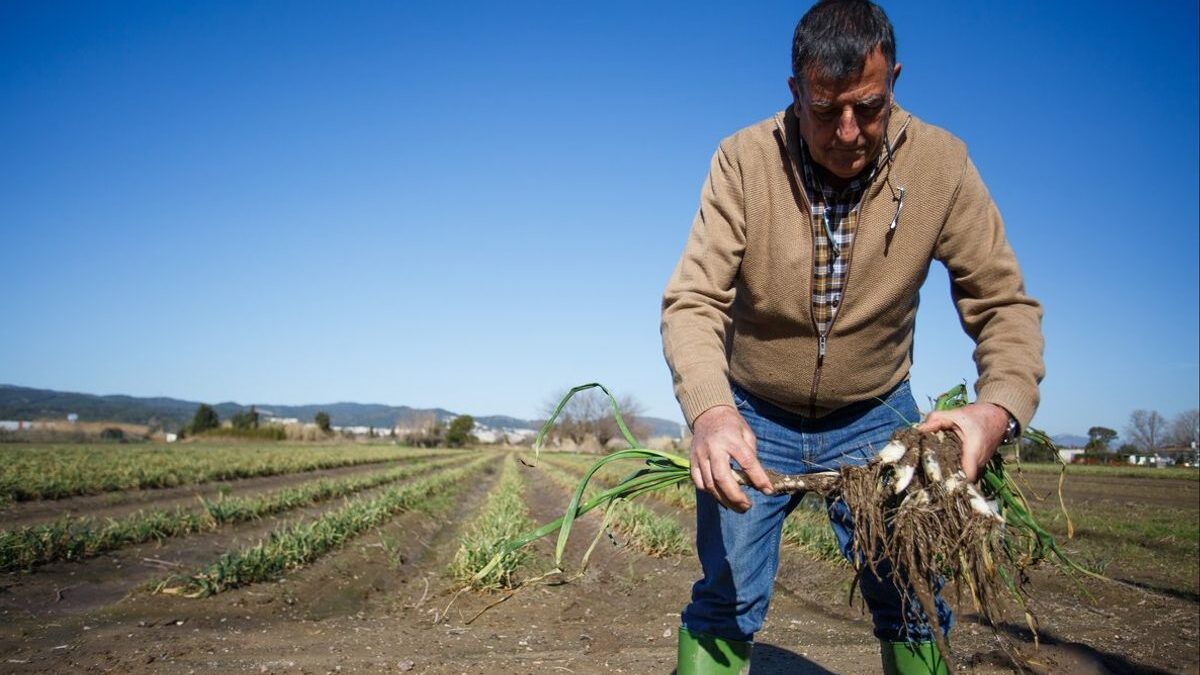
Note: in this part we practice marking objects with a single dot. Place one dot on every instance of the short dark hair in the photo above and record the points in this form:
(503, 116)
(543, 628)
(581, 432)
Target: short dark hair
(834, 38)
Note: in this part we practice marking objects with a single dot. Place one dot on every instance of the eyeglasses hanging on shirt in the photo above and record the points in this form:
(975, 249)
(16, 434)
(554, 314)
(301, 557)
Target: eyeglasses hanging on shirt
(834, 247)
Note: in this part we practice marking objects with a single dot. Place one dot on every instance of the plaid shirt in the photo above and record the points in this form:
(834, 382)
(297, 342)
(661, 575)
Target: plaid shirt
(831, 211)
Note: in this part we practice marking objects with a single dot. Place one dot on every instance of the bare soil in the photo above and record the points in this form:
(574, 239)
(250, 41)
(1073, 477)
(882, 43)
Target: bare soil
(385, 604)
(1084, 490)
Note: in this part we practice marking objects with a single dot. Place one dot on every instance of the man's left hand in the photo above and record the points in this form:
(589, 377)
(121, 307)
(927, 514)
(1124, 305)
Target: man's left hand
(979, 426)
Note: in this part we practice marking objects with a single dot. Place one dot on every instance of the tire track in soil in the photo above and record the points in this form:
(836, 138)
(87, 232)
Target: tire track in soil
(117, 504)
(261, 627)
(53, 604)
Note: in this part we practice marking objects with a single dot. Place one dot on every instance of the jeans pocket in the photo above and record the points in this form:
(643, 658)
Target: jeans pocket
(740, 398)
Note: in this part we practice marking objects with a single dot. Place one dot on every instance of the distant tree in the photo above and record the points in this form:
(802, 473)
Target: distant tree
(1185, 428)
(429, 431)
(1127, 449)
(1037, 452)
(247, 419)
(459, 433)
(589, 414)
(321, 419)
(205, 418)
(1099, 438)
(1146, 430)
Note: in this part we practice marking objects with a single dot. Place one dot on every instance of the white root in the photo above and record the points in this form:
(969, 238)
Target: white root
(955, 481)
(902, 476)
(933, 470)
(981, 505)
(892, 452)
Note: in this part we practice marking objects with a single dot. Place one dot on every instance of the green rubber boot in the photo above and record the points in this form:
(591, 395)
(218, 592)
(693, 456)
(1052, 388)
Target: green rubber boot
(912, 658)
(704, 654)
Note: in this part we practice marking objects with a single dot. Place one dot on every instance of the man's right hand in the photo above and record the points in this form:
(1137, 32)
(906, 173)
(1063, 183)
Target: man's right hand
(718, 435)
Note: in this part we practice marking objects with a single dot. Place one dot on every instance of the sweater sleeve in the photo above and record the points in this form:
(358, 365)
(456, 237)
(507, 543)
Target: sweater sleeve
(695, 306)
(989, 293)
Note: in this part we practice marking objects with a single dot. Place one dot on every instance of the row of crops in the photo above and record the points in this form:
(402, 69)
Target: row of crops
(432, 483)
(73, 538)
(58, 471)
(806, 529)
(293, 546)
(347, 507)
(653, 528)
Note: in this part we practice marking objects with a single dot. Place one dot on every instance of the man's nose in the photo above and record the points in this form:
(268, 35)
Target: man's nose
(847, 129)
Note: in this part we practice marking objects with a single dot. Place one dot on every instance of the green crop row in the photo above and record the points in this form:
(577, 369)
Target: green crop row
(76, 538)
(648, 532)
(503, 518)
(57, 471)
(807, 528)
(292, 546)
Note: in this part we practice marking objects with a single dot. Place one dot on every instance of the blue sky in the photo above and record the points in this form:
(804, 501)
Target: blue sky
(473, 205)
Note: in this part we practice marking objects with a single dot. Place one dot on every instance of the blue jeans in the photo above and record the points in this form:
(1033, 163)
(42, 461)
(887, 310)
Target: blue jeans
(739, 552)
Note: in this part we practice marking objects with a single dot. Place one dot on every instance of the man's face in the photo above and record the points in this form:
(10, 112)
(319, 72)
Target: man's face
(843, 123)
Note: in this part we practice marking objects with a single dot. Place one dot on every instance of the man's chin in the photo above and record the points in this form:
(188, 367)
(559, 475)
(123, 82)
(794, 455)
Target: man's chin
(846, 171)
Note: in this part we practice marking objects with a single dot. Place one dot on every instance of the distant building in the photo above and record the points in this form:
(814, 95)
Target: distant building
(1182, 455)
(1068, 455)
(1141, 459)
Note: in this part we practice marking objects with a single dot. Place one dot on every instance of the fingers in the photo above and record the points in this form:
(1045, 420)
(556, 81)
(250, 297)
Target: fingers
(726, 488)
(701, 469)
(936, 421)
(722, 434)
(972, 437)
(972, 451)
(697, 472)
(748, 460)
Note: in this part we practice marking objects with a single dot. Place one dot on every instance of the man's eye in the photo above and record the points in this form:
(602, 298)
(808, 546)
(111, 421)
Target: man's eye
(870, 111)
(826, 115)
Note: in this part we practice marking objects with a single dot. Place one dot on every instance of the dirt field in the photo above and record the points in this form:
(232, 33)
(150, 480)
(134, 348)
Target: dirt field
(385, 603)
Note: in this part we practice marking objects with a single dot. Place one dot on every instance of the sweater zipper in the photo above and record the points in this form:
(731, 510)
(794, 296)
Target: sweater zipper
(798, 176)
(822, 336)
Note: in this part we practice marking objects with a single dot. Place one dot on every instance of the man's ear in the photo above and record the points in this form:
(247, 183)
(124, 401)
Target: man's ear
(794, 87)
(895, 75)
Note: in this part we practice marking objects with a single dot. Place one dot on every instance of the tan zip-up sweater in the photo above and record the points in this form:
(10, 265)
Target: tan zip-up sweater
(738, 305)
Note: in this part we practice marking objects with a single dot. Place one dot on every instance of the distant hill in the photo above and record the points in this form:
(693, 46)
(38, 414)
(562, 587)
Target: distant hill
(26, 403)
(1069, 440)
(657, 426)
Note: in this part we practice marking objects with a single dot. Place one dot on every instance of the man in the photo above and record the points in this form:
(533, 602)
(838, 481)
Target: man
(788, 322)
